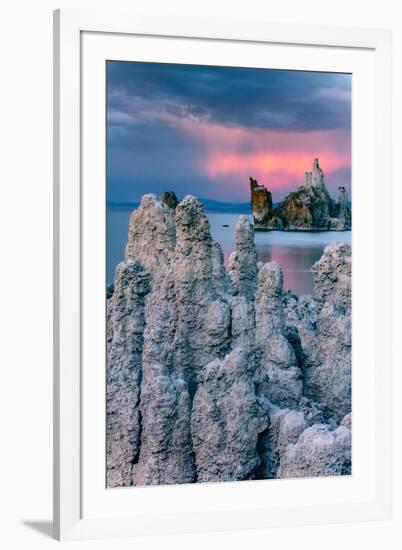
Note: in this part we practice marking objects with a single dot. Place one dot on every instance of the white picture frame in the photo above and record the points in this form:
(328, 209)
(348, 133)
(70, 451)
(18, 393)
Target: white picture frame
(83, 507)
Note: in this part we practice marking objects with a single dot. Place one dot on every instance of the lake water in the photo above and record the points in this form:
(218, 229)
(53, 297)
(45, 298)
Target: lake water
(295, 252)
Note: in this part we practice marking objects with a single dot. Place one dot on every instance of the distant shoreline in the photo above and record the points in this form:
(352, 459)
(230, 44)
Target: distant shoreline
(210, 205)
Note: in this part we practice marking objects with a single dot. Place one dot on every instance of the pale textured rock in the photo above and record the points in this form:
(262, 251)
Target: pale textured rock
(227, 420)
(328, 376)
(202, 324)
(301, 317)
(319, 451)
(125, 341)
(279, 378)
(319, 330)
(216, 374)
(243, 262)
(187, 316)
(332, 278)
(166, 454)
(152, 240)
(152, 235)
(342, 212)
(347, 421)
(242, 322)
(315, 178)
(243, 271)
(285, 427)
(220, 277)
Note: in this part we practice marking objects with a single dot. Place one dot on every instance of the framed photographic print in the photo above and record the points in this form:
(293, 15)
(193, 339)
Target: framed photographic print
(222, 275)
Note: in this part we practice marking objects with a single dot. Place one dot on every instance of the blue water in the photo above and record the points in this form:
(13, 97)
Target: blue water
(295, 252)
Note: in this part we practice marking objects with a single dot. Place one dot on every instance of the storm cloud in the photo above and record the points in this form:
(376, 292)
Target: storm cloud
(204, 130)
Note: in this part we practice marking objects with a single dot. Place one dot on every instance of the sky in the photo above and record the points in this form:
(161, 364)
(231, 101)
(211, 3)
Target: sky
(205, 130)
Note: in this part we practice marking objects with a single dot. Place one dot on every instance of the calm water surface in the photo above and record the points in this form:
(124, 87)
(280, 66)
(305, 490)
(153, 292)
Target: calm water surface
(295, 252)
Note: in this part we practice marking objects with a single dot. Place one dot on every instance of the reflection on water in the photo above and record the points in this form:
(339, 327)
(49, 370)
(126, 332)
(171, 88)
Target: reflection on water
(295, 262)
(295, 252)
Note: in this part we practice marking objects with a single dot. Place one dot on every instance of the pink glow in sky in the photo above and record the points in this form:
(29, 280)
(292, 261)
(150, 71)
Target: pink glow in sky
(276, 169)
(204, 130)
(277, 159)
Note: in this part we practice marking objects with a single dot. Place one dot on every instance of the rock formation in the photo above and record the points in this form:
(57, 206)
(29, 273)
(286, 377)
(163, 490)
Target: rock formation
(342, 213)
(318, 451)
(320, 331)
(220, 375)
(280, 377)
(227, 420)
(126, 325)
(170, 199)
(261, 204)
(308, 208)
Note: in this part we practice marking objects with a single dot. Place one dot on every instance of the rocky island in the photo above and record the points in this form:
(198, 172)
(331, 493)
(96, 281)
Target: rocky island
(309, 208)
(218, 374)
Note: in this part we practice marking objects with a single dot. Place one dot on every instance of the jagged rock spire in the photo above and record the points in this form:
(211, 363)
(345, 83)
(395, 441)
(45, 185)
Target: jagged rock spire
(315, 178)
(261, 204)
(309, 207)
(243, 262)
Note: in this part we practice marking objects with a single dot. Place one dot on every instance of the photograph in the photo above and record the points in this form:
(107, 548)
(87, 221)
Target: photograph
(187, 332)
(228, 274)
